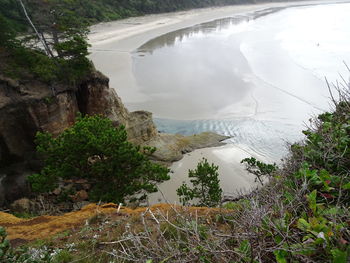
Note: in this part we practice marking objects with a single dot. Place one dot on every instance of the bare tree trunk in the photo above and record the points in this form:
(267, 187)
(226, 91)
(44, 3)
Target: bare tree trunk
(49, 50)
(40, 37)
(56, 41)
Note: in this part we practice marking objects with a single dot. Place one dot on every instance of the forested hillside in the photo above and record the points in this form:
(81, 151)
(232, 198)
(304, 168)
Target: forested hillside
(94, 11)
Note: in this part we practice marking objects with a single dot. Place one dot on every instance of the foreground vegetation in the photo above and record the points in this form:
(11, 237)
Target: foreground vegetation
(95, 150)
(301, 215)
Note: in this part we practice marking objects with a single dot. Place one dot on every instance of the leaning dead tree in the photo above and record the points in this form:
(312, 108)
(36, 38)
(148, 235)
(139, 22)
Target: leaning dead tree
(40, 36)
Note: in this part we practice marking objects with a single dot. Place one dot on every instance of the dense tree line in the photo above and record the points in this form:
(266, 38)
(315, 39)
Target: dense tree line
(43, 40)
(104, 10)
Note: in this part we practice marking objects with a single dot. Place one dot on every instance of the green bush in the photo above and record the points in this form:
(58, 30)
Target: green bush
(320, 168)
(4, 244)
(259, 169)
(324, 158)
(94, 149)
(7, 34)
(206, 186)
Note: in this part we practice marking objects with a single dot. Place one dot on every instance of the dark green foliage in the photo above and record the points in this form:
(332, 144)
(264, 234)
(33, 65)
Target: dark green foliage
(328, 147)
(320, 167)
(206, 186)
(4, 244)
(95, 150)
(312, 202)
(23, 62)
(325, 156)
(74, 65)
(93, 11)
(65, 58)
(259, 169)
(10, 10)
(7, 34)
(332, 188)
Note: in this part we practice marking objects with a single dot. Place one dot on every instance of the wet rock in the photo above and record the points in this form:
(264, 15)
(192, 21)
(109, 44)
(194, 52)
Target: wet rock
(172, 147)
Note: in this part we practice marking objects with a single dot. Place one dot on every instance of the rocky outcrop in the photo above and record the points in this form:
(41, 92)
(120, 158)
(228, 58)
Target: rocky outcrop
(95, 97)
(29, 107)
(172, 147)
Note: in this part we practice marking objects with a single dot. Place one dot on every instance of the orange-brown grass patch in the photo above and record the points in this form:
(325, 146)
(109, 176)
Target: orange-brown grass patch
(48, 226)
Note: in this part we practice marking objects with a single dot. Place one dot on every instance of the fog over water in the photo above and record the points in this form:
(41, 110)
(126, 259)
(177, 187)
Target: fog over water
(257, 77)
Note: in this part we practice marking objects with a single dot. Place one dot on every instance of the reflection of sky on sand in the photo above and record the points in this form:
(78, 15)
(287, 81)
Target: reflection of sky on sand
(233, 177)
(326, 30)
(213, 68)
(222, 27)
(257, 80)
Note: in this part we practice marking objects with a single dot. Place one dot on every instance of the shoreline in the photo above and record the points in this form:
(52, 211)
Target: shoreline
(227, 158)
(113, 44)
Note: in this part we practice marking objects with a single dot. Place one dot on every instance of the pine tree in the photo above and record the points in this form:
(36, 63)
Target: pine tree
(206, 186)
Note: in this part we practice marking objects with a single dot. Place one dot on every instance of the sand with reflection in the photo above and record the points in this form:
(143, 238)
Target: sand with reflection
(112, 47)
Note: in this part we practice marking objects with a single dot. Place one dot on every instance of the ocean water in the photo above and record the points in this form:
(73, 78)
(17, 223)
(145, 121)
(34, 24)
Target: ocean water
(257, 77)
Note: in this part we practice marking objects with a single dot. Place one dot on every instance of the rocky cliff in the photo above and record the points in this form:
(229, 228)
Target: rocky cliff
(27, 107)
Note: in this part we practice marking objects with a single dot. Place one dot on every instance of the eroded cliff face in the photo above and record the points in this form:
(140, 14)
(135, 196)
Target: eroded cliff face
(95, 97)
(29, 107)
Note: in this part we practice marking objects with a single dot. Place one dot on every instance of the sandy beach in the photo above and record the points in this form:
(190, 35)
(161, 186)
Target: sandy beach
(113, 42)
(111, 46)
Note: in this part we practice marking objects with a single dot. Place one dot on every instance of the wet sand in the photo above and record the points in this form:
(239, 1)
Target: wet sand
(112, 43)
(111, 51)
(228, 159)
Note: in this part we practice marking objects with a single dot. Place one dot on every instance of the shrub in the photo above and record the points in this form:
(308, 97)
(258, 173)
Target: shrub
(94, 149)
(206, 186)
(4, 244)
(259, 169)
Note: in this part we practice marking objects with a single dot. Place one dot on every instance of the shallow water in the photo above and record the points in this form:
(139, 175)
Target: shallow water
(256, 78)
